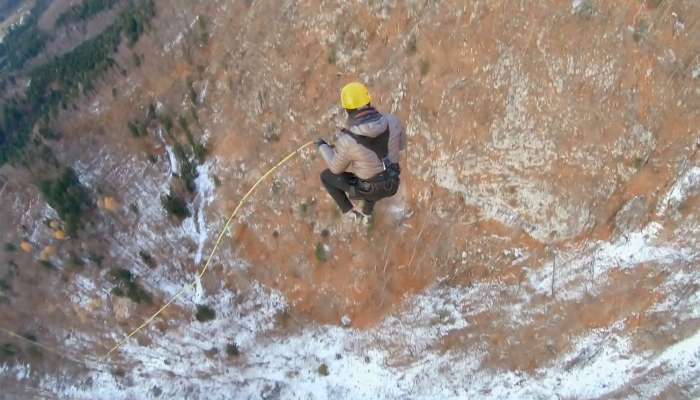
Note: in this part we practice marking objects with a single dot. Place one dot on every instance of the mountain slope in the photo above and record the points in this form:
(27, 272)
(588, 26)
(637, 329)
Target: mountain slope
(544, 242)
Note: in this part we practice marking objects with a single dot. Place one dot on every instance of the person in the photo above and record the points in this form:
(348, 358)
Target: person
(363, 164)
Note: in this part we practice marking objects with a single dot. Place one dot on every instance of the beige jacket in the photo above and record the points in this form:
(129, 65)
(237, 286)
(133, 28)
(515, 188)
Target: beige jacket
(350, 156)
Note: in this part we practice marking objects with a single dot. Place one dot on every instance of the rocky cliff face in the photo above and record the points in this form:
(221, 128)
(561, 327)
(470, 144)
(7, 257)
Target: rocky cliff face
(544, 242)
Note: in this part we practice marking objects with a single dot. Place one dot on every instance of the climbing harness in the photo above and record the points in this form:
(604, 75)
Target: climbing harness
(386, 183)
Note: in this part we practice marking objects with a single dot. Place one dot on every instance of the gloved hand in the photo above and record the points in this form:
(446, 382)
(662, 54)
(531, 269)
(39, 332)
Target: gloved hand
(319, 142)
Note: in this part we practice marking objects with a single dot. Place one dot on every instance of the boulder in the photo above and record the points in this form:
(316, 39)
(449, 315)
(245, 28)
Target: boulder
(631, 216)
(47, 253)
(122, 308)
(108, 203)
(26, 246)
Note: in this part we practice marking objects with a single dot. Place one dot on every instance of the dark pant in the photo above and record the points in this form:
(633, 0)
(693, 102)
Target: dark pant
(339, 186)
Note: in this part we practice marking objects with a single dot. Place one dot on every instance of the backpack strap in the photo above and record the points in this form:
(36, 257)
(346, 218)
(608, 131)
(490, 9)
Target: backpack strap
(378, 145)
(363, 116)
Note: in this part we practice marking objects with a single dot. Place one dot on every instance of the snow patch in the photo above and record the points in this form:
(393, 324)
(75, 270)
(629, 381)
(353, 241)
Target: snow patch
(174, 164)
(688, 184)
(627, 252)
(171, 45)
(577, 5)
(85, 293)
(683, 357)
(203, 93)
(205, 195)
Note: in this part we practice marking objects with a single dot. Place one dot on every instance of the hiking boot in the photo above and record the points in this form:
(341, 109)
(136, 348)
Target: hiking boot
(361, 217)
(351, 217)
(367, 208)
(356, 217)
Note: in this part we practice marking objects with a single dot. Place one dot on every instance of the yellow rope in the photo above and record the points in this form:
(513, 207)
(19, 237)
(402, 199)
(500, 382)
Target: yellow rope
(44, 347)
(216, 246)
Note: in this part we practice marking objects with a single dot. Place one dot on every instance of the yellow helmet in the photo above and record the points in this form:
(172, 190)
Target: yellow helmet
(354, 95)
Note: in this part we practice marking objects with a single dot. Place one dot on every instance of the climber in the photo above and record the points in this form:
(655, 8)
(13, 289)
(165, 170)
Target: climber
(364, 162)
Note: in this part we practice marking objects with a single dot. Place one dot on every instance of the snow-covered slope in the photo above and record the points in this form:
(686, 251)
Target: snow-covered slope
(545, 242)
